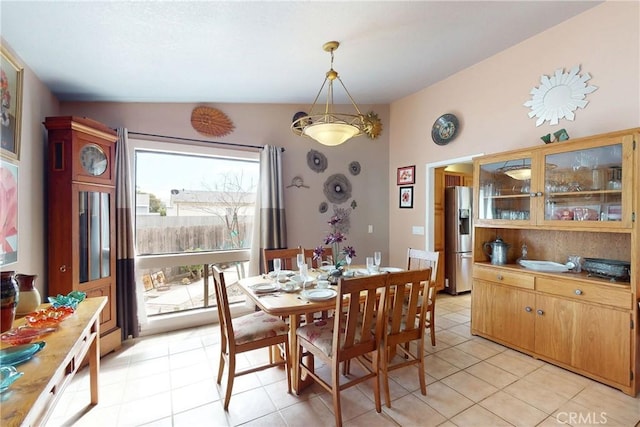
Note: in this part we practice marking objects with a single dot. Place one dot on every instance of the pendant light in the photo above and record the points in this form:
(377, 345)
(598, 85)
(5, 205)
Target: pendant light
(328, 127)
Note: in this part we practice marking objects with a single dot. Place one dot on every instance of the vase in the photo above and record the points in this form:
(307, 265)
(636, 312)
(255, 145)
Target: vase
(9, 296)
(29, 295)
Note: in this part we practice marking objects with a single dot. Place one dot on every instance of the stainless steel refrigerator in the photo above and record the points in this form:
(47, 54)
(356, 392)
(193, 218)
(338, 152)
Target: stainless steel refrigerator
(458, 226)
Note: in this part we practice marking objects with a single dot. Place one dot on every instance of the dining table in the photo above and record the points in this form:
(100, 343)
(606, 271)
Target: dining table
(268, 294)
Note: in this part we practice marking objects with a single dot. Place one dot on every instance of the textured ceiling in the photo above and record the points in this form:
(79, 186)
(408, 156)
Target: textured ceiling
(262, 52)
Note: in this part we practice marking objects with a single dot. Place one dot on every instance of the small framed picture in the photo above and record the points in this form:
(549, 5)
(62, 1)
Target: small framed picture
(406, 197)
(11, 95)
(407, 175)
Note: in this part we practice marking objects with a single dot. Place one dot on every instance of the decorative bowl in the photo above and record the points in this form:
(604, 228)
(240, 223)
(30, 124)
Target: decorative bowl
(8, 375)
(608, 268)
(24, 335)
(48, 317)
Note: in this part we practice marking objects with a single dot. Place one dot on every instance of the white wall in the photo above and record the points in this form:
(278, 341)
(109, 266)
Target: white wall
(37, 103)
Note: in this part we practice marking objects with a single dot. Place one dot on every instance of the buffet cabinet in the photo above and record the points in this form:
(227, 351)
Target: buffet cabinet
(81, 215)
(575, 198)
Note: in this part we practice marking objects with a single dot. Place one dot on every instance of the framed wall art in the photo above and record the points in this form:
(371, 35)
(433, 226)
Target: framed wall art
(8, 213)
(406, 197)
(407, 175)
(11, 97)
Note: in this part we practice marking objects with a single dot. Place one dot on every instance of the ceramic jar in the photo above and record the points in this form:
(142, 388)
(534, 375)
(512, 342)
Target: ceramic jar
(9, 296)
(29, 295)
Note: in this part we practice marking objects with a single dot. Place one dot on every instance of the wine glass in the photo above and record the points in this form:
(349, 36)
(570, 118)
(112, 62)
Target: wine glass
(276, 267)
(377, 258)
(348, 259)
(300, 261)
(304, 275)
(370, 264)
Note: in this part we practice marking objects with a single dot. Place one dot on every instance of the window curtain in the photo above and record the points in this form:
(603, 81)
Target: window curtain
(126, 297)
(270, 231)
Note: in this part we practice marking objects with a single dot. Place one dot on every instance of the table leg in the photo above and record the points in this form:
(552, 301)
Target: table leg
(94, 362)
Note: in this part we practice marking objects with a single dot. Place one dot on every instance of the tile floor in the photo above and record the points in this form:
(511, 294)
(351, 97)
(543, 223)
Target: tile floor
(169, 380)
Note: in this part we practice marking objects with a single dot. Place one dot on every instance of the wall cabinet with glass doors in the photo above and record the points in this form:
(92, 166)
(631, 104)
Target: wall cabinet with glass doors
(585, 185)
(579, 197)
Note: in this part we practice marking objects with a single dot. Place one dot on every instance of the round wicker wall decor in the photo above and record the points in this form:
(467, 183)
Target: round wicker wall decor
(211, 122)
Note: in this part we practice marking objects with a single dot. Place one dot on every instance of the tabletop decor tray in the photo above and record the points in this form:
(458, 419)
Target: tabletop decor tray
(608, 268)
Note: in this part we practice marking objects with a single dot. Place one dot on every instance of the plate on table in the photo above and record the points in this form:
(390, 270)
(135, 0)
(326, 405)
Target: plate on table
(548, 266)
(391, 269)
(20, 353)
(24, 335)
(8, 375)
(319, 294)
(262, 288)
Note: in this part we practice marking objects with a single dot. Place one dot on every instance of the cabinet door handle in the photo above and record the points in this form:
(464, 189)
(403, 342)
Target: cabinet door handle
(578, 292)
(63, 268)
(540, 312)
(539, 193)
(532, 194)
(528, 309)
(499, 277)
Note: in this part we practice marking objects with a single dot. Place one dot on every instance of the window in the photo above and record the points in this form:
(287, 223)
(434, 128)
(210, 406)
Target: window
(193, 205)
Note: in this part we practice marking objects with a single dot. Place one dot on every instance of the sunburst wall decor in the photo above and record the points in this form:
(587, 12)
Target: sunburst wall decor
(559, 96)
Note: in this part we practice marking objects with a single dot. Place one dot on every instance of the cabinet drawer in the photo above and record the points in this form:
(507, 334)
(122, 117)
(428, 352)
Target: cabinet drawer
(499, 275)
(587, 292)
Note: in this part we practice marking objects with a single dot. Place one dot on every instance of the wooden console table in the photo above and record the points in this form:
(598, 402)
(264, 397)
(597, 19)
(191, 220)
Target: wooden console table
(31, 399)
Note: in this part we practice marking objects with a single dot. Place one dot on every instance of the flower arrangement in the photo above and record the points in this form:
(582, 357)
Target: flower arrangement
(339, 222)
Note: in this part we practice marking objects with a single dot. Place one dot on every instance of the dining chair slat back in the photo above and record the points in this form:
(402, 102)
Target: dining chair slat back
(355, 331)
(288, 257)
(419, 259)
(406, 325)
(246, 333)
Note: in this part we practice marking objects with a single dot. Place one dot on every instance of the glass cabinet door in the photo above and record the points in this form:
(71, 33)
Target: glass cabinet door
(505, 190)
(585, 185)
(94, 242)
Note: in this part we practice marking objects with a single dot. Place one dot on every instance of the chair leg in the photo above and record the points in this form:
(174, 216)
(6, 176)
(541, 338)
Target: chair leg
(335, 393)
(384, 373)
(230, 378)
(220, 367)
(287, 365)
(432, 332)
(423, 381)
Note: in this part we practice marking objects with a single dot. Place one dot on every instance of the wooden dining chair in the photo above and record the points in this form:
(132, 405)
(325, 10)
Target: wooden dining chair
(317, 262)
(355, 331)
(247, 333)
(419, 259)
(288, 257)
(406, 326)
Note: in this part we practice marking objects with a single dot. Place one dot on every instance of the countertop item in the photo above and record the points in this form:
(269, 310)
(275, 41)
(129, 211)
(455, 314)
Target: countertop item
(548, 266)
(608, 268)
(20, 353)
(24, 335)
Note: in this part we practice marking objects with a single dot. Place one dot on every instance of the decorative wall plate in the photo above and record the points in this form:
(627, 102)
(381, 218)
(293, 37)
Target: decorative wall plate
(337, 188)
(445, 129)
(559, 96)
(354, 168)
(211, 122)
(316, 161)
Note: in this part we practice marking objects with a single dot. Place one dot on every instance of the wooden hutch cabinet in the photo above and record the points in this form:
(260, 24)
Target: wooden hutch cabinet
(81, 215)
(579, 197)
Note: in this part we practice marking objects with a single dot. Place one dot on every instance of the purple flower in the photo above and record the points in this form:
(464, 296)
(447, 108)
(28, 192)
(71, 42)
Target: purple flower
(350, 251)
(317, 252)
(332, 238)
(334, 220)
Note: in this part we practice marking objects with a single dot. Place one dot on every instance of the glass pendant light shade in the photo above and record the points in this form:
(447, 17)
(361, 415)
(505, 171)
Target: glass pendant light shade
(331, 133)
(521, 174)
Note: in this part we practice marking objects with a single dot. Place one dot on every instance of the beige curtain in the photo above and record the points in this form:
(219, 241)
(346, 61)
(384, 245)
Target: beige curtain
(126, 297)
(270, 231)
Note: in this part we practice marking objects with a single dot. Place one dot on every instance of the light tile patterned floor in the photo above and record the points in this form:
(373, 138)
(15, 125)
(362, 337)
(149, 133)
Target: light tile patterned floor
(169, 380)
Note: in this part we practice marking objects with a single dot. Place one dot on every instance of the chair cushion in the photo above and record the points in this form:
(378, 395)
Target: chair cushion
(320, 334)
(257, 326)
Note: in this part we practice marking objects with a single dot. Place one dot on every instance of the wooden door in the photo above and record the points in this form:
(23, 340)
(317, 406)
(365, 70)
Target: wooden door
(504, 312)
(555, 328)
(602, 343)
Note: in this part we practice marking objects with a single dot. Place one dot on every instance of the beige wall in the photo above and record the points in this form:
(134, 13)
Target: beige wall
(488, 99)
(269, 124)
(37, 103)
